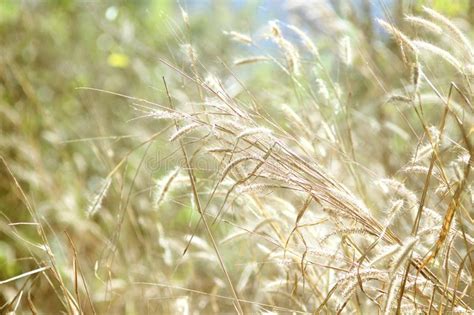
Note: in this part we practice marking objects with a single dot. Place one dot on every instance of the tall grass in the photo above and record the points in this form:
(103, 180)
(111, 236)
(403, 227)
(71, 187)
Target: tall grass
(312, 194)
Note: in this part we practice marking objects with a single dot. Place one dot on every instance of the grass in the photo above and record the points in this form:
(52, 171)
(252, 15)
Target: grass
(328, 176)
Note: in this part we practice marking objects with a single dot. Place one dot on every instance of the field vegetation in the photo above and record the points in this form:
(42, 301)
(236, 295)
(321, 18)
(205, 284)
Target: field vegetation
(240, 157)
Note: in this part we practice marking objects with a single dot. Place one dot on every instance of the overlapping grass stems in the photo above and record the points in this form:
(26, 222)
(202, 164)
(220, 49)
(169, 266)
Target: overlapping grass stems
(293, 196)
(331, 252)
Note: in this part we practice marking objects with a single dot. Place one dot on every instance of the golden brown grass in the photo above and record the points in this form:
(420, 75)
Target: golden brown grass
(297, 206)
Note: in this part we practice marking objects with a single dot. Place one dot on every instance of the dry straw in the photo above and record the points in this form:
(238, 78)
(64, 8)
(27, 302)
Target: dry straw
(273, 225)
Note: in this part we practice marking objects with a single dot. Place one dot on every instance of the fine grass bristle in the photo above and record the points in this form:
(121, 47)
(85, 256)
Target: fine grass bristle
(184, 130)
(290, 52)
(345, 51)
(95, 202)
(308, 43)
(421, 22)
(452, 28)
(254, 131)
(444, 54)
(250, 60)
(239, 37)
(402, 40)
(162, 187)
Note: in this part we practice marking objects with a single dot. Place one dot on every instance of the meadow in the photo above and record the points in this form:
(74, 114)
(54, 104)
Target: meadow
(236, 157)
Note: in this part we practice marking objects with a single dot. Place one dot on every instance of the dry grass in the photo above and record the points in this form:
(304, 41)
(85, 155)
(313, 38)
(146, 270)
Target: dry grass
(294, 208)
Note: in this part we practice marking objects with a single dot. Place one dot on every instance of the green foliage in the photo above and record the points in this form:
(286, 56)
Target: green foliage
(10, 11)
(451, 8)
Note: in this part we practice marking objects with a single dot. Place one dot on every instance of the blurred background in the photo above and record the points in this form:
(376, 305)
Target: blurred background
(60, 141)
